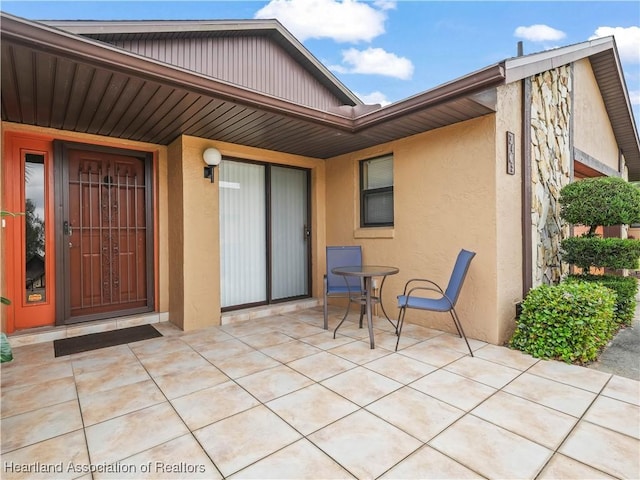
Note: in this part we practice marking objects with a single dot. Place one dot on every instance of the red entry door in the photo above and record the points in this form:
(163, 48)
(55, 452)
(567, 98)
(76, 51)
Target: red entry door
(106, 233)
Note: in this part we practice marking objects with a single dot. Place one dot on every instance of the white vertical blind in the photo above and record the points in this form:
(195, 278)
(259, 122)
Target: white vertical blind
(377, 192)
(289, 265)
(242, 233)
(378, 172)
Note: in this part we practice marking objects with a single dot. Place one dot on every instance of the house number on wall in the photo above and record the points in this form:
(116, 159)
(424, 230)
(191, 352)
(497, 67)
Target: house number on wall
(511, 153)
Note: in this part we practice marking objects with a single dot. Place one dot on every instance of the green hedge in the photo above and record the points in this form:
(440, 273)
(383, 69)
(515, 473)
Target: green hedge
(600, 201)
(626, 289)
(586, 252)
(571, 321)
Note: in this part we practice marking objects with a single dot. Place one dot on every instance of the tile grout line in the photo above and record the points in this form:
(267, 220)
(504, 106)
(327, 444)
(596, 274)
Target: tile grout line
(575, 426)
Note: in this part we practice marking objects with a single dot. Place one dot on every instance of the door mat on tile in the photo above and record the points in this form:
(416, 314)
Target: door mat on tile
(94, 341)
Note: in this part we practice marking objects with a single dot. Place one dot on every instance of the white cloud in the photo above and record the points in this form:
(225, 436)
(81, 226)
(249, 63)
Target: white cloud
(374, 61)
(385, 4)
(627, 41)
(340, 20)
(634, 96)
(539, 33)
(373, 98)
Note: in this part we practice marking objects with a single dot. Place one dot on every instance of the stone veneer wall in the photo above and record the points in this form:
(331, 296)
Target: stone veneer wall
(550, 169)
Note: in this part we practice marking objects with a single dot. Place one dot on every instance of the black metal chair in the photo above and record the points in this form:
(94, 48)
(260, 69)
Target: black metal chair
(446, 300)
(341, 286)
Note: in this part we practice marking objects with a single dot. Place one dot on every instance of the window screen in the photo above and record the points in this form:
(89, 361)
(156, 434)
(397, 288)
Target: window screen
(376, 192)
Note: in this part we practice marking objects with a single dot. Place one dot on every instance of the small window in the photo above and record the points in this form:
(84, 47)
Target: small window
(376, 192)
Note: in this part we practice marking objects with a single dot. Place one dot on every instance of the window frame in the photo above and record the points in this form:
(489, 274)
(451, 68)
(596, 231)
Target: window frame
(365, 193)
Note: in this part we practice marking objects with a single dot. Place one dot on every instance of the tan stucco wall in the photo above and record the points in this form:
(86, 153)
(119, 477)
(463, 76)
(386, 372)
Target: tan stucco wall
(445, 196)
(592, 132)
(508, 210)
(188, 226)
(194, 236)
(160, 189)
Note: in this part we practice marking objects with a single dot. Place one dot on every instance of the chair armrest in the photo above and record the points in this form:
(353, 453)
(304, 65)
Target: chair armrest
(424, 280)
(438, 290)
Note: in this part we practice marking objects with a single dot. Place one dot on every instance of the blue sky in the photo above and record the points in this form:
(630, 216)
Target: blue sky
(386, 50)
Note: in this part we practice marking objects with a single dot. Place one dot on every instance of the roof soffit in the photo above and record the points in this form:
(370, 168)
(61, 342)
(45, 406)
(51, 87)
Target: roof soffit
(101, 55)
(348, 128)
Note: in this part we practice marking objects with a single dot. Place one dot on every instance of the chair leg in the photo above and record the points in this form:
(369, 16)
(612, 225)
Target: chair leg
(325, 311)
(394, 325)
(458, 325)
(363, 311)
(346, 314)
(403, 310)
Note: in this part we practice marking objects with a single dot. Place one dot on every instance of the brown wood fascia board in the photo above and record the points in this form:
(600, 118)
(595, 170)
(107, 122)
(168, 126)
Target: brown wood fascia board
(98, 55)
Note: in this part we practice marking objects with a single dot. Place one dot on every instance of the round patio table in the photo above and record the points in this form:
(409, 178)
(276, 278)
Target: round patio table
(367, 272)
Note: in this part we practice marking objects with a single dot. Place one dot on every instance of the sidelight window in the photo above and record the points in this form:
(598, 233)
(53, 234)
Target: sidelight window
(34, 235)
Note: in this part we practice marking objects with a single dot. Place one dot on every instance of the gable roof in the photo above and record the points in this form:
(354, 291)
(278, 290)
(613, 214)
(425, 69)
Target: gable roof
(163, 31)
(605, 62)
(54, 78)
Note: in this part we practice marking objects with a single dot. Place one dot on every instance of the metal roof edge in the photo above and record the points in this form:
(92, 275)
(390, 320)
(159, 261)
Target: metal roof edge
(88, 27)
(272, 26)
(517, 68)
(472, 83)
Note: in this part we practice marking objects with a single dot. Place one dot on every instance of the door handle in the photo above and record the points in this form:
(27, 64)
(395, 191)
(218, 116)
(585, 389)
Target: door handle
(67, 228)
(306, 232)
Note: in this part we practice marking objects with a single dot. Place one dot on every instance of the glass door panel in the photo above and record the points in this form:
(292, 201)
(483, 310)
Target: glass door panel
(34, 208)
(264, 234)
(243, 247)
(289, 233)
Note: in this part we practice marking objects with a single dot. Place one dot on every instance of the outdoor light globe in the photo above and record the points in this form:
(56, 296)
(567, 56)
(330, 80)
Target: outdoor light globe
(212, 156)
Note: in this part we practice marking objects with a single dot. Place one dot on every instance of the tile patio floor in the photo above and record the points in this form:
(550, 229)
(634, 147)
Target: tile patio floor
(278, 397)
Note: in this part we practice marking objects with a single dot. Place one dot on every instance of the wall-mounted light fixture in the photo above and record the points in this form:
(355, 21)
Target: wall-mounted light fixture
(212, 158)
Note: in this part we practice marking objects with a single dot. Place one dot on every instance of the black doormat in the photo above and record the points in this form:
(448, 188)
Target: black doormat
(94, 341)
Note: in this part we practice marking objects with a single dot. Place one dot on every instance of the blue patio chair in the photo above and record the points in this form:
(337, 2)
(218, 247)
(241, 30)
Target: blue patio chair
(446, 301)
(341, 286)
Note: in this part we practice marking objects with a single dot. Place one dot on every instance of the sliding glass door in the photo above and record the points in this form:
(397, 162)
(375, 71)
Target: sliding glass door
(289, 233)
(264, 233)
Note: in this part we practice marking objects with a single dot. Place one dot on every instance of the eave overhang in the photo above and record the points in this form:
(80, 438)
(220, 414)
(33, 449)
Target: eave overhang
(52, 78)
(55, 78)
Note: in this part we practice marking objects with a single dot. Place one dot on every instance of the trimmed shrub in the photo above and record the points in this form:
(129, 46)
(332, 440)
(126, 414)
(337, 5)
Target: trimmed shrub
(588, 251)
(571, 321)
(626, 289)
(602, 201)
